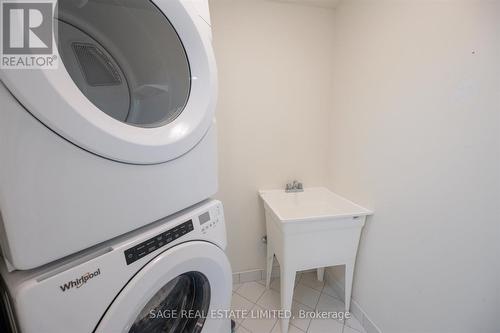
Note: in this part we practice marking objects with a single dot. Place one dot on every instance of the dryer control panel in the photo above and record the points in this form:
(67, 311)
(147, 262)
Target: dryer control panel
(143, 249)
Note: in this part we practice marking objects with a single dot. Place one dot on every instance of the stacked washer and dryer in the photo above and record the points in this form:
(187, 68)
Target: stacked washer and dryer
(107, 166)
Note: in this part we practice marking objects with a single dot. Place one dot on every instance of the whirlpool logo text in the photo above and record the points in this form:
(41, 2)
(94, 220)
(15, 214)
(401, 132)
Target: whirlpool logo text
(81, 281)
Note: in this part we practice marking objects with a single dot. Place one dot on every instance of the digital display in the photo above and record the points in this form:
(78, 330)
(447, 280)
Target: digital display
(204, 218)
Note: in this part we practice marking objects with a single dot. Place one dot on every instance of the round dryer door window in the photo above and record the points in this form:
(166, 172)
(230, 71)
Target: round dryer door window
(126, 58)
(135, 80)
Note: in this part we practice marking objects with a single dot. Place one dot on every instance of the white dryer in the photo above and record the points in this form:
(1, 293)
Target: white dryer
(120, 135)
(169, 277)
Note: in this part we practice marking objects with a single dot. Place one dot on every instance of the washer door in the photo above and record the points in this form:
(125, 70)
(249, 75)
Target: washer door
(136, 80)
(175, 293)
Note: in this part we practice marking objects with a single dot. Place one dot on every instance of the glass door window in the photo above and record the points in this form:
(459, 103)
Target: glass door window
(178, 307)
(126, 58)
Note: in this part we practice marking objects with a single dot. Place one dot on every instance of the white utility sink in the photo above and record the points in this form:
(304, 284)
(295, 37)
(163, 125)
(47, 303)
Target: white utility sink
(312, 229)
(314, 204)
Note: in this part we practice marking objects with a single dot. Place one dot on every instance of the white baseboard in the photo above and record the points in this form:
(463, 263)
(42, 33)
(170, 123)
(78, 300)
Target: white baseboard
(248, 276)
(255, 275)
(356, 309)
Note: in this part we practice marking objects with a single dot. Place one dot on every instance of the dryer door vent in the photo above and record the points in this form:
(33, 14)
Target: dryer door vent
(97, 68)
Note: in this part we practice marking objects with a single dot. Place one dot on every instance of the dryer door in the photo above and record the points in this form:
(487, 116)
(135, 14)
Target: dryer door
(136, 80)
(179, 291)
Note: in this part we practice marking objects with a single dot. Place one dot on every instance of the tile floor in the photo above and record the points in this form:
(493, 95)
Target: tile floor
(309, 295)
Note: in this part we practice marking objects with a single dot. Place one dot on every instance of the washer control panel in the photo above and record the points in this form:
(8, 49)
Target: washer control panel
(143, 249)
(209, 219)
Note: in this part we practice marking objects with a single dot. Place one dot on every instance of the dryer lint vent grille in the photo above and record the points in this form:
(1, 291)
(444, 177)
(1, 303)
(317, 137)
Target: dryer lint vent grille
(97, 67)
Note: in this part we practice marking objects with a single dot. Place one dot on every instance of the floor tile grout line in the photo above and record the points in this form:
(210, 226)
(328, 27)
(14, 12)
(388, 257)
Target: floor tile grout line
(294, 292)
(276, 323)
(293, 299)
(254, 304)
(241, 324)
(236, 292)
(343, 320)
(300, 329)
(316, 309)
(246, 299)
(355, 329)
(257, 305)
(309, 288)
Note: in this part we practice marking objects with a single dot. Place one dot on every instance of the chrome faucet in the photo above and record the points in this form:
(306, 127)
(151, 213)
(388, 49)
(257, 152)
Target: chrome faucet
(294, 186)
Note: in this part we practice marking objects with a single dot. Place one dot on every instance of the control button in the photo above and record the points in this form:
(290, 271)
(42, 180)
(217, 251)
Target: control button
(153, 244)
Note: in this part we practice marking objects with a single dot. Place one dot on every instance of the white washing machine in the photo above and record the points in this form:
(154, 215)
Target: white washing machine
(120, 135)
(169, 277)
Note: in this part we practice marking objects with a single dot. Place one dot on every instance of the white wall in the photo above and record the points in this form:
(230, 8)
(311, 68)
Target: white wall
(415, 135)
(392, 103)
(275, 83)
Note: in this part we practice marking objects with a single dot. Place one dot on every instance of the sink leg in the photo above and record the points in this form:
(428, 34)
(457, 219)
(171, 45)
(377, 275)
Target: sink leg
(269, 259)
(321, 273)
(287, 286)
(349, 274)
